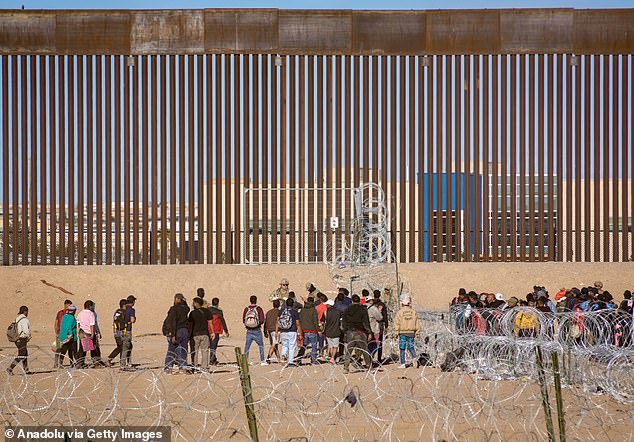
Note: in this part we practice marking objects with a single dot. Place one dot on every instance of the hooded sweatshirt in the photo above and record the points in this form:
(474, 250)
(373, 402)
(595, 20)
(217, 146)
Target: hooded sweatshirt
(308, 318)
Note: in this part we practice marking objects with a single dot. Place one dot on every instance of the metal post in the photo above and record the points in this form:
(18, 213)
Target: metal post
(544, 391)
(247, 393)
(561, 418)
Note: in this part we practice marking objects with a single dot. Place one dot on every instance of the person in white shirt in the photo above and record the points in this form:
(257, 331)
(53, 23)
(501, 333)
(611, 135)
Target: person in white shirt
(24, 336)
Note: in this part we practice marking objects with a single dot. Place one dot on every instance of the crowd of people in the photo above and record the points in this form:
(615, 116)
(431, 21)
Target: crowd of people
(346, 329)
(482, 313)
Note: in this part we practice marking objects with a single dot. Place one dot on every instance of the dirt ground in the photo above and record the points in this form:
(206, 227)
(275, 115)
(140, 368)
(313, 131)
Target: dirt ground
(304, 403)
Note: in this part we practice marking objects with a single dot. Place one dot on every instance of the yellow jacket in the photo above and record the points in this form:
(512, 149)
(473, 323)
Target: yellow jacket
(406, 320)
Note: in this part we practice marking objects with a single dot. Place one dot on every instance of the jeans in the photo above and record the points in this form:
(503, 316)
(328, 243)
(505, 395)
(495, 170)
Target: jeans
(254, 335)
(69, 348)
(22, 357)
(213, 346)
(177, 351)
(202, 350)
(289, 345)
(406, 343)
(321, 342)
(311, 339)
(117, 351)
(126, 349)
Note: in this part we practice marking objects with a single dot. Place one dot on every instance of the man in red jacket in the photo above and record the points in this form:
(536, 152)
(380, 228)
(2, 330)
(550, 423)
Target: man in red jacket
(218, 327)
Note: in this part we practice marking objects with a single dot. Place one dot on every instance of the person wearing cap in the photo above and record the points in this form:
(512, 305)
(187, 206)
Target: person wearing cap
(126, 339)
(67, 337)
(175, 329)
(599, 286)
(332, 329)
(281, 292)
(406, 326)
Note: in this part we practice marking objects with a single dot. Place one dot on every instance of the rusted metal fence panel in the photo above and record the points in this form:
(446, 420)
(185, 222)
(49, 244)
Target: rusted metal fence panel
(111, 159)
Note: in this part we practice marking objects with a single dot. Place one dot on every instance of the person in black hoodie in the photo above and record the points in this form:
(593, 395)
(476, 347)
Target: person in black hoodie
(356, 326)
(175, 328)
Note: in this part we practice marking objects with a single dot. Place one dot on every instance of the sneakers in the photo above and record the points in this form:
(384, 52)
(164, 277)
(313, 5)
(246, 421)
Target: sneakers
(402, 366)
(264, 363)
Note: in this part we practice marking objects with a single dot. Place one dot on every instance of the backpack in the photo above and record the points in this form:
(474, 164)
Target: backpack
(12, 331)
(251, 318)
(285, 320)
(119, 323)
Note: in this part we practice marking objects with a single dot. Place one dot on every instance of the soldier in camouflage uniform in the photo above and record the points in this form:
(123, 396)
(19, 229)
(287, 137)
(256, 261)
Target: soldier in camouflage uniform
(281, 292)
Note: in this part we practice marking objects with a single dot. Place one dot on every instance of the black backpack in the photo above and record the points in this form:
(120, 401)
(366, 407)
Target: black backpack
(119, 324)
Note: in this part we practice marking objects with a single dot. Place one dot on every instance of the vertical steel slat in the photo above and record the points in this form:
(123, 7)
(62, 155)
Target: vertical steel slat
(402, 151)
(531, 157)
(550, 153)
(606, 159)
(629, 123)
(411, 186)
(541, 108)
(43, 160)
(339, 153)
(33, 224)
(329, 159)
(172, 118)
(292, 146)
(467, 159)
(560, 154)
(513, 157)
(163, 129)
(266, 152)
(596, 113)
(181, 157)
(5, 161)
(485, 158)
(393, 149)
(364, 125)
(80, 161)
(99, 157)
(504, 149)
(258, 229)
(218, 87)
(246, 149)
(614, 61)
(448, 216)
(16, 239)
(311, 157)
(439, 112)
(62, 167)
(586, 160)
(578, 111)
(495, 158)
(302, 157)
(154, 131)
(384, 123)
(135, 160)
(227, 157)
(356, 138)
(90, 160)
(348, 178)
(24, 225)
(476, 202)
(274, 157)
(320, 157)
(201, 162)
(569, 171)
(211, 159)
(126, 161)
(624, 160)
(522, 157)
(191, 170)
(459, 82)
(117, 158)
(374, 128)
(236, 213)
(282, 157)
(108, 155)
(145, 105)
(52, 63)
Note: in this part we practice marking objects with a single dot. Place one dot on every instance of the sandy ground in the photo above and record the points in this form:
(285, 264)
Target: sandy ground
(305, 403)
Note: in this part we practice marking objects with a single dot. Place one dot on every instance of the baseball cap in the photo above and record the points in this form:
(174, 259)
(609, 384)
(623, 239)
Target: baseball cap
(179, 296)
(131, 298)
(499, 296)
(330, 302)
(71, 308)
(284, 281)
